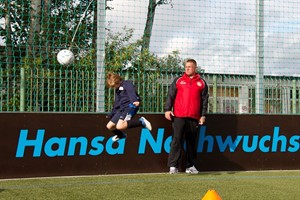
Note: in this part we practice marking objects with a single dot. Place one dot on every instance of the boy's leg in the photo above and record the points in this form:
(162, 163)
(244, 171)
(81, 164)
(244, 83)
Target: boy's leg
(112, 126)
(139, 122)
(142, 122)
(134, 123)
(129, 122)
(146, 123)
(124, 117)
(118, 135)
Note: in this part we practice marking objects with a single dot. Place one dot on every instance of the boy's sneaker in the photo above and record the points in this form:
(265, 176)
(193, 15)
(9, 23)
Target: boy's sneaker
(146, 123)
(173, 170)
(191, 170)
(118, 137)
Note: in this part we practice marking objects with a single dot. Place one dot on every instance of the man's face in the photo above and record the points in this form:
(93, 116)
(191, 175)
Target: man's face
(190, 68)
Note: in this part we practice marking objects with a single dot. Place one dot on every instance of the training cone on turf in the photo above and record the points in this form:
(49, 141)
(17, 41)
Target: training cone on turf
(211, 195)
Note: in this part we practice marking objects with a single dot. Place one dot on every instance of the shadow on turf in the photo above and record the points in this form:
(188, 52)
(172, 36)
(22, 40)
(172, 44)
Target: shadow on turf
(213, 173)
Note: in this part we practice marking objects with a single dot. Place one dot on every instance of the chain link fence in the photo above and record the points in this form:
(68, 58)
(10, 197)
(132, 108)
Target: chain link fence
(248, 52)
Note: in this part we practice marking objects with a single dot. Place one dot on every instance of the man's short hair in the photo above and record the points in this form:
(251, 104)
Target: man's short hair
(190, 60)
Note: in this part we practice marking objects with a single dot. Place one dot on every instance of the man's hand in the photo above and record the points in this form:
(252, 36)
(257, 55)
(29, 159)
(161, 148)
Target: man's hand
(202, 120)
(169, 115)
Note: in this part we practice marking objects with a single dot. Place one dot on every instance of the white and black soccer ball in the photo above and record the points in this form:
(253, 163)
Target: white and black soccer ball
(65, 57)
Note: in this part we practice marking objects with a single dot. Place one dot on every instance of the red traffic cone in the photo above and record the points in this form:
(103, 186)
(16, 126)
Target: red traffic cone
(211, 195)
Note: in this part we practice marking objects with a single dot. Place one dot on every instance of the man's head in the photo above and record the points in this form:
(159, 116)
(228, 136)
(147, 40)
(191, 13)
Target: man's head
(190, 66)
(113, 80)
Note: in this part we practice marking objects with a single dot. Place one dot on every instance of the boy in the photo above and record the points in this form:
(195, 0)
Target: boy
(126, 105)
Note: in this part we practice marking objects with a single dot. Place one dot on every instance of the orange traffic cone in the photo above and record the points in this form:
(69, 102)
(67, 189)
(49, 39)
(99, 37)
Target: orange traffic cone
(211, 195)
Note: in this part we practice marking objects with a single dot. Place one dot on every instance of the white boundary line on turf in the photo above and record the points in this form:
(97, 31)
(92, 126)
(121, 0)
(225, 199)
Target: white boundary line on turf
(161, 173)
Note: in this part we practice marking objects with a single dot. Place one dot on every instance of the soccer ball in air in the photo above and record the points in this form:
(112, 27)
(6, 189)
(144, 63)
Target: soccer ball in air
(65, 57)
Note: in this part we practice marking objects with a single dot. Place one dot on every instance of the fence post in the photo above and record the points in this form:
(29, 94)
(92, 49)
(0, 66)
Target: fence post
(294, 97)
(215, 87)
(101, 18)
(22, 89)
(259, 91)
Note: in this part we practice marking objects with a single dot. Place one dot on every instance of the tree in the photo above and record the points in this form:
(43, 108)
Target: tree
(35, 28)
(150, 20)
(146, 69)
(40, 28)
(8, 14)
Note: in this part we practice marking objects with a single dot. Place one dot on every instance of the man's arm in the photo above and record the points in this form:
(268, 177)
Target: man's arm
(204, 103)
(170, 100)
(171, 96)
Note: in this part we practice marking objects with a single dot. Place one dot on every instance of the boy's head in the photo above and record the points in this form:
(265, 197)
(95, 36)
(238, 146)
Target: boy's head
(113, 80)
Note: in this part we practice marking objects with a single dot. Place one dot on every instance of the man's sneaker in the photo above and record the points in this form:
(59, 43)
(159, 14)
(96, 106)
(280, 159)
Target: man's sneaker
(118, 137)
(191, 170)
(173, 170)
(146, 123)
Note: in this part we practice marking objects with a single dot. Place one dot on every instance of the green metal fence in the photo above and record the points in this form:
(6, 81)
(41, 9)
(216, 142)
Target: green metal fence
(42, 90)
(248, 52)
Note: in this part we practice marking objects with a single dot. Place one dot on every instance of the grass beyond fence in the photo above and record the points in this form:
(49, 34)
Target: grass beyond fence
(262, 185)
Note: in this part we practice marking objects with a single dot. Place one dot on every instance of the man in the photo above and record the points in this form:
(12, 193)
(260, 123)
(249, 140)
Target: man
(126, 105)
(188, 97)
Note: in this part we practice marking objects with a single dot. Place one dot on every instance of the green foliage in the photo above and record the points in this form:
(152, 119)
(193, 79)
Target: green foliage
(47, 82)
(58, 21)
(172, 63)
(86, 61)
(10, 93)
(67, 16)
(28, 63)
(118, 50)
(145, 69)
(122, 54)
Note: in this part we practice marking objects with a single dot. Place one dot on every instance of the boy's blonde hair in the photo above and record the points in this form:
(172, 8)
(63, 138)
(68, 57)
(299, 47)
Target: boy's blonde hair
(113, 80)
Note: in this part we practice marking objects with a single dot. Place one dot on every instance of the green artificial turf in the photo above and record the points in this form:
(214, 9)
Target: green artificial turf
(262, 185)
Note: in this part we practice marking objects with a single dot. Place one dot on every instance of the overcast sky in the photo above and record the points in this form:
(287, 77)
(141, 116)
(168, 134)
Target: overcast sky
(219, 34)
